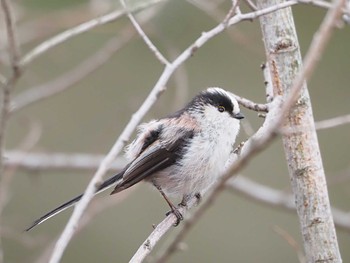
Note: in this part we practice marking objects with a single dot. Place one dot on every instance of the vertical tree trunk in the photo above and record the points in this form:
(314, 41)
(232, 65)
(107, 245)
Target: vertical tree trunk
(301, 146)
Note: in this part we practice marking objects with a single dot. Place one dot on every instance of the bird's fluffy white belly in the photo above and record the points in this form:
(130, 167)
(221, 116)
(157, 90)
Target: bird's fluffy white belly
(201, 167)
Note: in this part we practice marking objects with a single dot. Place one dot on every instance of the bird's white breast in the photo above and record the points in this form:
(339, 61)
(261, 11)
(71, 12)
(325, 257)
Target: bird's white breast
(205, 157)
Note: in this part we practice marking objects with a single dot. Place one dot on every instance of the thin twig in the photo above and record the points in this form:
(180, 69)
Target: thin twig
(252, 105)
(143, 35)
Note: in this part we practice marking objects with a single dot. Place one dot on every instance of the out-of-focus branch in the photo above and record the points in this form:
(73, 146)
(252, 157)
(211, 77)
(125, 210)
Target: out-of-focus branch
(67, 80)
(13, 45)
(35, 161)
(7, 176)
(278, 199)
(82, 28)
(7, 89)
(333, 122)
(292, 242)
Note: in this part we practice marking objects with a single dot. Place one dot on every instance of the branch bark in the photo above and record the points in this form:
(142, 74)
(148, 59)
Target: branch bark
(301, 149)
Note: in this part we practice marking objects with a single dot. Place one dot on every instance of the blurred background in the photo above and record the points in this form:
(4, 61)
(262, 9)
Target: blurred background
(90, 115)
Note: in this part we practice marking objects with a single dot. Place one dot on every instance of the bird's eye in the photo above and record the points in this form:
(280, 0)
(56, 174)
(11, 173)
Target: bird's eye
(221, 108)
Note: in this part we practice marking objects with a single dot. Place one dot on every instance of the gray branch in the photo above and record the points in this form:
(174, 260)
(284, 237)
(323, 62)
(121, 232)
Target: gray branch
(301, 149)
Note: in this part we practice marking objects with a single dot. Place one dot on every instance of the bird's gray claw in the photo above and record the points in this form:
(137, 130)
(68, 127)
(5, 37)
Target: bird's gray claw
(178, 215)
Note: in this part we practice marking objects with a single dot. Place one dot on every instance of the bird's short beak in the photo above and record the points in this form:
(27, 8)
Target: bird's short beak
(238, 116)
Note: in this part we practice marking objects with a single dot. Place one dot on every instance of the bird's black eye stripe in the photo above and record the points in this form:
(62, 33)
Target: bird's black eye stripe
(221, 101)
(217, 99)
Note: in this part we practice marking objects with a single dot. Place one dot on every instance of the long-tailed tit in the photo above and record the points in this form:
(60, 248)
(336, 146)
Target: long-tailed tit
(182, 154)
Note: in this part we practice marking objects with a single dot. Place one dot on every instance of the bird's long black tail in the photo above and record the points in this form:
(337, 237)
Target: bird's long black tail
(105, 185)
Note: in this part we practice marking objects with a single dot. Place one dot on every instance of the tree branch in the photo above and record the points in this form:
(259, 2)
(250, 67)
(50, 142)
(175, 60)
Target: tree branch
(11, 36)
(301, 149)
(143, 35)
(7, 88)
(252, 105)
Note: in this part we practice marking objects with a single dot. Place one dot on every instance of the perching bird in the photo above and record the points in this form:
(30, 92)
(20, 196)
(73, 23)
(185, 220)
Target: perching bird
(182, 154)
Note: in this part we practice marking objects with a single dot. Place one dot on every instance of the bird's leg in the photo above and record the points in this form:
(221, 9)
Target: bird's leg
(173, 208)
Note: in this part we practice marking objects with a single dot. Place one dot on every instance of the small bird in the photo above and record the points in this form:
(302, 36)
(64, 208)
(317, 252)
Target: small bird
(182, 155)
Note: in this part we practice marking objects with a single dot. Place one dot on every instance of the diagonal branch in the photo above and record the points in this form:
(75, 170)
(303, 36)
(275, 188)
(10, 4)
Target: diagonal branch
(143, 35)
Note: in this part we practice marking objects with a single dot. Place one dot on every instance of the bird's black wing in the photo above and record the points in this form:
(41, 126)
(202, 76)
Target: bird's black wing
(154, 158)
